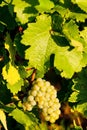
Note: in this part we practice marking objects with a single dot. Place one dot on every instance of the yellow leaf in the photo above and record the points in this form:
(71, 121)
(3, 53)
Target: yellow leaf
(11, 74)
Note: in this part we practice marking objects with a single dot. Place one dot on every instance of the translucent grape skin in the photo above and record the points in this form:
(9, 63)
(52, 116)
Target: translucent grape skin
(44, 95)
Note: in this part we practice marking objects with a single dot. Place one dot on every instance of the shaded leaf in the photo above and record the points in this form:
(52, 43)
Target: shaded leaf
(6, 18)
(71, 31)
(79, 94)
(7, 95)
(70, 12)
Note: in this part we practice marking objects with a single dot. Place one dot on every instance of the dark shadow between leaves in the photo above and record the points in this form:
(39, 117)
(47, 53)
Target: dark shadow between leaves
(60, 40)
(81, 86)
(32, 2)
(21, 48)
(32, 11)
(72, 7)
(7, 18)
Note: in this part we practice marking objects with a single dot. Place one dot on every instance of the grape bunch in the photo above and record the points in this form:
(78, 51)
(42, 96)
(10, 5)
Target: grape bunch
(44, 95)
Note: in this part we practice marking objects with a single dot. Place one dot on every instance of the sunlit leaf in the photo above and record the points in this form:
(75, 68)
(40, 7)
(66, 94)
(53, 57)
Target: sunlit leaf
(82, 4)
(42, 45)
(3, 119)
(44, 6)
(23, 10)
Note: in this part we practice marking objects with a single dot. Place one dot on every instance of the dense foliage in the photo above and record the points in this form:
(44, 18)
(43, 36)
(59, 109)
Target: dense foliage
(43, 39)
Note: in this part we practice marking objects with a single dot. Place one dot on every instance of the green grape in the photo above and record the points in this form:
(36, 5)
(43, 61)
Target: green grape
(50, 110)
(30, 98)
(52, 120)
(47, 118)
(36, 87)
(33, 103)
(47, 96)
(44, 95)
(27, 106)
(34, 93)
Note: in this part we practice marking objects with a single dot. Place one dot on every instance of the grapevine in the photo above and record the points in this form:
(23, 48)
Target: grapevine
(43, 64)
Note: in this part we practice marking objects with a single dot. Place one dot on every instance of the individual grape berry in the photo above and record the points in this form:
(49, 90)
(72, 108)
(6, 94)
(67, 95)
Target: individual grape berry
(27, 106)
(30, 98)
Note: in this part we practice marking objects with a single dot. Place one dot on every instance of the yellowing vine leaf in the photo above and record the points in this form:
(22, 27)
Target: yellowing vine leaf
(3, 119)
(10, 73)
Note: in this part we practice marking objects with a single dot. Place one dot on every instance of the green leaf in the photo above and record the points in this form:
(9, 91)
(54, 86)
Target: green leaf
(70, 60)
(82, 4)
(3, 119)
(83, 34)
(7, 108)
(42, 45)
(79, 94)
(23, 10)
(70, 13)
(37, 36)
(78, 16)
(19, 7)
(11, 75)
(77, 128)
(44, 6)
(22, 118)
(71, 31)
(82, 108)
(74, 97)
(62, 10)
(14, 88)
(23, 73)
